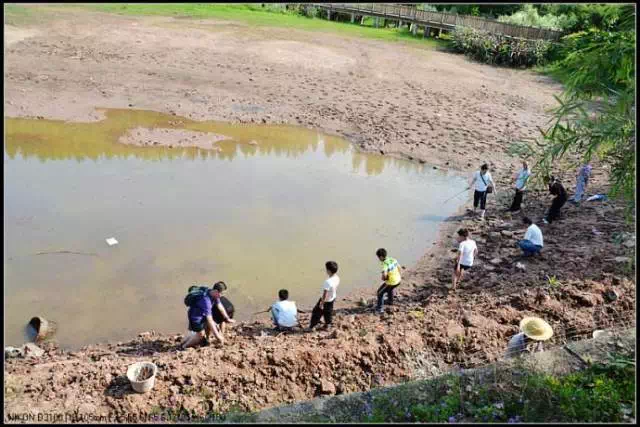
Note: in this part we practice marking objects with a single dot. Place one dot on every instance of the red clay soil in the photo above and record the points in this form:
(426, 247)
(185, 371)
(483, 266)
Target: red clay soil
(430, 106)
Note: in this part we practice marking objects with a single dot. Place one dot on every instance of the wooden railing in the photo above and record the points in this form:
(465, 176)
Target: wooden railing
(440, 19)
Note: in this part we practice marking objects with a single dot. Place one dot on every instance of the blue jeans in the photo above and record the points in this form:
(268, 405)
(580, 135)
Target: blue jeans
(528, 247)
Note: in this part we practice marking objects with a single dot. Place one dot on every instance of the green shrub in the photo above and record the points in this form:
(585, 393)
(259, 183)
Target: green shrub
(426, 7)
(529, 17)
(500, 50)
(439, 412)
(309, 11)
(582, 17)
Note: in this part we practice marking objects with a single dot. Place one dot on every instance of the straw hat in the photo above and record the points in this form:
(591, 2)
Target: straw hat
(536, 328)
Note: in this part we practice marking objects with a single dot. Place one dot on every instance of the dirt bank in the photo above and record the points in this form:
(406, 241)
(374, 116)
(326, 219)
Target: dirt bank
(427, 105)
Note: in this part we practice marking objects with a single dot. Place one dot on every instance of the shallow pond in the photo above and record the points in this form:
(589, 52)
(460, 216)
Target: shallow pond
(260, 215)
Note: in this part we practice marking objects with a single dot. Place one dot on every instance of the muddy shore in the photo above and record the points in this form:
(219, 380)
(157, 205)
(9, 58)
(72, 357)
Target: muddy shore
(424, 105)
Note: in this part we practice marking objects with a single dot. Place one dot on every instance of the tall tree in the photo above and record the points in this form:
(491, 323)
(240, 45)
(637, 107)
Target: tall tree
(596, 113)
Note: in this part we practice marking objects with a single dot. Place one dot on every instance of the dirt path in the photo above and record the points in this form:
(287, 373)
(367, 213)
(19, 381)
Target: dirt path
(431, 106)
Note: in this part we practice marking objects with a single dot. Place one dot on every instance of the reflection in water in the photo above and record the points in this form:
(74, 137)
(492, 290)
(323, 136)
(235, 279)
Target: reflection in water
(59, 140)
(261, 217)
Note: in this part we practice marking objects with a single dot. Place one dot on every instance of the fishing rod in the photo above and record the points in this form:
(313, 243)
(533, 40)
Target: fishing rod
(453, 197)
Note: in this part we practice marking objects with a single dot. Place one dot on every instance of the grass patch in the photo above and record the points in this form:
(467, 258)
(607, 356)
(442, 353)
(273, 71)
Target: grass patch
(600, 393)
(270, 16)
(17, 15)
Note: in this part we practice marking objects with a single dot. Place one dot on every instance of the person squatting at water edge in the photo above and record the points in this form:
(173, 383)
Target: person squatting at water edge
(324, 307)
(532, 330)
(467, 251)
(482, 183)
(391, 279)
(200, 301)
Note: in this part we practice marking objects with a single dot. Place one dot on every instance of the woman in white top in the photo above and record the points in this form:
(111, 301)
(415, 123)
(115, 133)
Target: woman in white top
(480, 182)
(467, 251)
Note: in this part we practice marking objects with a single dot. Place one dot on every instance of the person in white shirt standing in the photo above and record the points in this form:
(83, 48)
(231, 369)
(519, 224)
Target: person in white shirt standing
(324, 307)
(533, 242)
(467, 251)
(482, 184)
(520, 179)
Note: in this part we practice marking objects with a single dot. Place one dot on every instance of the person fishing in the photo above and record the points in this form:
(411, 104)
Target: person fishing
(324, 307)
(284, 312)
(482, 182)
(558, 202)
(520, 181)
(582, 179)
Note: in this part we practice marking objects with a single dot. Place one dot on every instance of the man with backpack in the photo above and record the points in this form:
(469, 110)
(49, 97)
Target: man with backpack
(201, 302)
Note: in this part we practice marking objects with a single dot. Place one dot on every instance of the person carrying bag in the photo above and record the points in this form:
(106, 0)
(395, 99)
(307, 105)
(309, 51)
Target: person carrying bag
(483, 185)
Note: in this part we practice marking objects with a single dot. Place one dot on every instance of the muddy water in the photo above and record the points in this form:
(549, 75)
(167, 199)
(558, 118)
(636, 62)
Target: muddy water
(260, 217)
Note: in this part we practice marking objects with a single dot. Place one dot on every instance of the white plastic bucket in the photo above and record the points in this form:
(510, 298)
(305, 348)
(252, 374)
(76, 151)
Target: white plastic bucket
(144, 385)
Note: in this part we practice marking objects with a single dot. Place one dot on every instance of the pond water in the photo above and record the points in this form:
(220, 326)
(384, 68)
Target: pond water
(260, 217)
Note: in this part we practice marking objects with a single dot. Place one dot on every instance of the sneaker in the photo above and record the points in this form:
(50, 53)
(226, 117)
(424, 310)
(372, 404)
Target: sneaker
(379, 311)
(545, 221)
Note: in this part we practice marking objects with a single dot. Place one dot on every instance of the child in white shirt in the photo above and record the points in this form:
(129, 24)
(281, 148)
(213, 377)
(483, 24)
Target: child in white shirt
(467, 251)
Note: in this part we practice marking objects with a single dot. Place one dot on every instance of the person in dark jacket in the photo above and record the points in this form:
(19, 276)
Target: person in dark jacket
(557, 190)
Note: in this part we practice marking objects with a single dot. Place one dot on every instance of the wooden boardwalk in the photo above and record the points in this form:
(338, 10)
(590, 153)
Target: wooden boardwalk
(438, 20)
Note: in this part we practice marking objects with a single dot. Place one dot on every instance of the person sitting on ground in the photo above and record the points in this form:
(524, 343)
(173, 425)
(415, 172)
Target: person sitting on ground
(391, 279)
(482, 180)
(285, 312)
(324, 307)
(532, 329)
(533, 242)
(467, 251)
(520, 179)
(201, 322)
(557, 190)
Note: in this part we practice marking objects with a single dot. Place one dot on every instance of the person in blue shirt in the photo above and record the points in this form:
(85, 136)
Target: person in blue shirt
(201, 317)
(520, 180)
